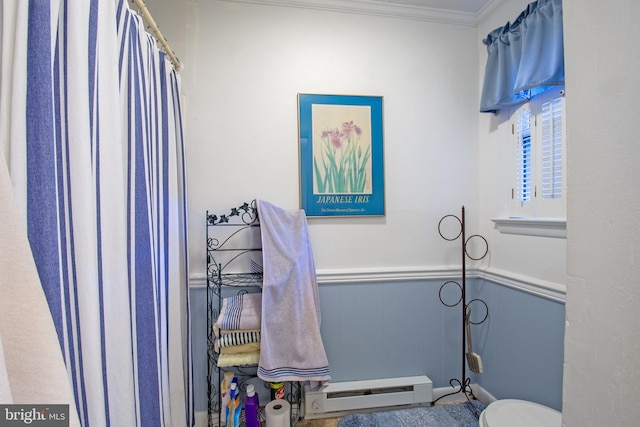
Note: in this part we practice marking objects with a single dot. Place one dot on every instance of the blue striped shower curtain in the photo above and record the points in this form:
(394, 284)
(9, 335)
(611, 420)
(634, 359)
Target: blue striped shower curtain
(91, 135)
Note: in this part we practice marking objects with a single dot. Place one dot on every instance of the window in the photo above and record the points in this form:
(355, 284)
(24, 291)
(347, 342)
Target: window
(552, 149)
(523, 181)
(538, 182)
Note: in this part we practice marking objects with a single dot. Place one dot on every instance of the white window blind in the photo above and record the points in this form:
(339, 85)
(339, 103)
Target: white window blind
(524, 165)
(552, 149)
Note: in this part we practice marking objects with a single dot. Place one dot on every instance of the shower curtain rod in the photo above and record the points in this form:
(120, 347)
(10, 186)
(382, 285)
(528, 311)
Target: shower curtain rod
(146, 15)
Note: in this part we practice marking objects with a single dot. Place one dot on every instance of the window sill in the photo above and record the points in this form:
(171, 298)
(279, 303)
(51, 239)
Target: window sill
(541, 227)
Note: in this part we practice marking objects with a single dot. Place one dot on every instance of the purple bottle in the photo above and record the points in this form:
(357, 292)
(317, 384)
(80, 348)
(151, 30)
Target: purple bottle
(252, 408)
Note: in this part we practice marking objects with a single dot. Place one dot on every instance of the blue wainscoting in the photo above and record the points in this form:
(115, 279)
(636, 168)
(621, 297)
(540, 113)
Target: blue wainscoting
(522, 345)
(199, 346)
(387, 329)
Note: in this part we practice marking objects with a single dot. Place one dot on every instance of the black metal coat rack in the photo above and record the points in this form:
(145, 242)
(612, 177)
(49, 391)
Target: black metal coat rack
(463, 384)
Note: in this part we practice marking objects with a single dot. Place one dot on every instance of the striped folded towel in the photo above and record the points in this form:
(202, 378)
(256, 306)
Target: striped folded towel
(238, 337)
(242, 311)
(236, 340)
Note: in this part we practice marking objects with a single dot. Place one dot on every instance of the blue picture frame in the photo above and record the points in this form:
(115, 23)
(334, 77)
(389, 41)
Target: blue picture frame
(341, 155)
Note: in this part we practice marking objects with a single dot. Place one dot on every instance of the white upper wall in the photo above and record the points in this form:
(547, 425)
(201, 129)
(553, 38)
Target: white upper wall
(602, 367)
(244, 65)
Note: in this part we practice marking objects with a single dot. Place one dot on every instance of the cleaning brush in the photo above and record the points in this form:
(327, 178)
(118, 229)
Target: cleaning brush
(473, 359)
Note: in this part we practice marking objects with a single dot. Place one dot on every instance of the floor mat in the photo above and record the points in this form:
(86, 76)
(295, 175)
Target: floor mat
(456, 415)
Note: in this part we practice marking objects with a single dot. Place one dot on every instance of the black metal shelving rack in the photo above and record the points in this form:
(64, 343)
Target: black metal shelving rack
(232, 240)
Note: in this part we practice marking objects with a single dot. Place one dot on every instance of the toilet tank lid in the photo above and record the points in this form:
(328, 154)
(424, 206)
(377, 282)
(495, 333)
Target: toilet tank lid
(521, 413)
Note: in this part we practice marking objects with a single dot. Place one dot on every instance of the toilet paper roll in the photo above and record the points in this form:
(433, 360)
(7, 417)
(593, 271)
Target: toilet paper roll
(278, 413)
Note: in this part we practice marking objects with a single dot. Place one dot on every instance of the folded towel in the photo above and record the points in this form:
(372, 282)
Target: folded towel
(291, 347)
(236, 349)
(226, 338)
(242, 311)
(242, 359)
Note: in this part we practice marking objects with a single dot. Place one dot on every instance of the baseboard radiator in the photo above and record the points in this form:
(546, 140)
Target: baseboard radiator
(336, 399)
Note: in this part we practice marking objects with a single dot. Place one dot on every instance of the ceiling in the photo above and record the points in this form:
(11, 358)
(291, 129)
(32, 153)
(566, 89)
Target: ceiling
(465, 6)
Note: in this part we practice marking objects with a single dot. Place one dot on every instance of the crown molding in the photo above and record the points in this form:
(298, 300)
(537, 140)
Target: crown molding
(488, 10)
(376, 8)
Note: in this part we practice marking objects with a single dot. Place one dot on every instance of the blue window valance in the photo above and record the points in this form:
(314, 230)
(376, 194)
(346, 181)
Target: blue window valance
(525, 57)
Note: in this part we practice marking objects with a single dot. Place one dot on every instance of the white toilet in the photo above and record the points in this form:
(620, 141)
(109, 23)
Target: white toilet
(520, 413)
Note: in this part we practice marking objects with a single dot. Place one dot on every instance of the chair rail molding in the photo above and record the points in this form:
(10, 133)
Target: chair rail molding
(550, 290)
(542, 288)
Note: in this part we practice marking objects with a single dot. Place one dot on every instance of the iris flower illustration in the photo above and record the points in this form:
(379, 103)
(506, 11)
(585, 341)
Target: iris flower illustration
(342, 165)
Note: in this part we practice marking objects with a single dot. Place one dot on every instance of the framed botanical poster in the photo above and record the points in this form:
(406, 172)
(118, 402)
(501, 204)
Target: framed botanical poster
(341, 155)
